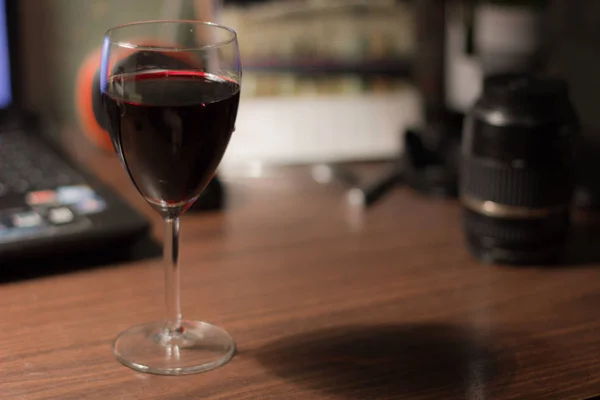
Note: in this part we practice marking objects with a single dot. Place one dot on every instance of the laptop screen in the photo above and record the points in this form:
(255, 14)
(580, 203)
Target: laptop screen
(5, 90)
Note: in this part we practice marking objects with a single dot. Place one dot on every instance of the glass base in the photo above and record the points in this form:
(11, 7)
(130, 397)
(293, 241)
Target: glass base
(197, 347)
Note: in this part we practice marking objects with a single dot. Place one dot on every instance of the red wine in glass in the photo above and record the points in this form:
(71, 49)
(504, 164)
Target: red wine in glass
(171, 129)
(171, 91)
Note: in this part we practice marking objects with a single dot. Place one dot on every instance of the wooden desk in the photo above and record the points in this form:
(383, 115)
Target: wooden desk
(322, 306)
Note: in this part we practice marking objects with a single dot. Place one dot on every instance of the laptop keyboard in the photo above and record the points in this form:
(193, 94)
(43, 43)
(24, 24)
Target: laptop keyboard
(41, 195)
(27, 165)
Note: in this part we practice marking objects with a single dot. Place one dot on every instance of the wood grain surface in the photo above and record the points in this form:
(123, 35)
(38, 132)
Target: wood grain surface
(324, 303)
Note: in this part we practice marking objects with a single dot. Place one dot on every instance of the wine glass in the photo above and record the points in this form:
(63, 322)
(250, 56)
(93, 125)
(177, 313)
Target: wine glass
(171, 91)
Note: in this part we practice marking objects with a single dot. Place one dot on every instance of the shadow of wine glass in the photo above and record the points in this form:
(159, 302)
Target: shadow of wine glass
(392, 362)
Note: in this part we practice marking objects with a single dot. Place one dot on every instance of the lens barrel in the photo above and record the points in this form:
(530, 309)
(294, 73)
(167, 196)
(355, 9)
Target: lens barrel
(517, 170)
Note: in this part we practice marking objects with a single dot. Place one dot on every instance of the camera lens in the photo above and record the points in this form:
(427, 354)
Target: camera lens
(517, 170)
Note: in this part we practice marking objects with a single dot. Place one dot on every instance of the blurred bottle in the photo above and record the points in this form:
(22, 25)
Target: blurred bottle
(487, 37)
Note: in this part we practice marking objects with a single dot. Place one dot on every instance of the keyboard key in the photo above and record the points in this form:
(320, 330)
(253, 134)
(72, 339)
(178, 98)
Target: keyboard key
(74, 194)
(27, 219)
(92, 205)
(21, 187)
(9, 178)
(60, 216)
(41, 197)
(64, 179)
(34, 176)
(21, 161)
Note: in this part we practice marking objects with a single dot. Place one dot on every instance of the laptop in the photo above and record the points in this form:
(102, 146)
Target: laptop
(49, 206)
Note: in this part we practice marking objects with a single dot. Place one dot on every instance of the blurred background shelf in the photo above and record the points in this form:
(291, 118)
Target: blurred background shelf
(394, 68)
(364, 38)
(324, 80)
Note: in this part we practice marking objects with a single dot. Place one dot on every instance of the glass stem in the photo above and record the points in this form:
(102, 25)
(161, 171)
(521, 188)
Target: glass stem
(171, 258)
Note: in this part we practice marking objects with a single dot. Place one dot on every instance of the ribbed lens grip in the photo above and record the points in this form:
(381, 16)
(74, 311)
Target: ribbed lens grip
(524, 187)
